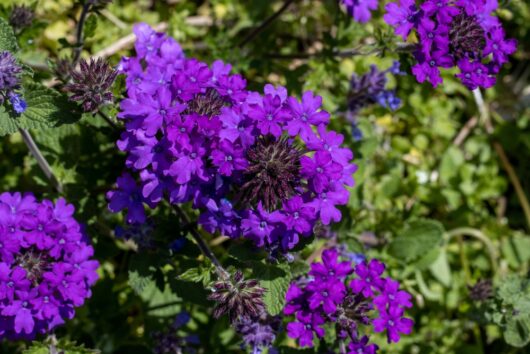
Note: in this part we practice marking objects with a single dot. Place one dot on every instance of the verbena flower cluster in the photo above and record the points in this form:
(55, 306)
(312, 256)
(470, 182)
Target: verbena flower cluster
(10, 82)
(329, 297)
(361, 10)
(258, 333)
(261, 166)
(46, 266)
(461, 33)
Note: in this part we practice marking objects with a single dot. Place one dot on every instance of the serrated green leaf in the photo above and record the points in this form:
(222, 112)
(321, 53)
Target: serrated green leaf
(298, 268)
(416, 239)
(8, 41)
(275, 279)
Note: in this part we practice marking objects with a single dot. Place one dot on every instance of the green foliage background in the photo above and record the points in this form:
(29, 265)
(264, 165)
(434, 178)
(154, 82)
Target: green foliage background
(433, 198)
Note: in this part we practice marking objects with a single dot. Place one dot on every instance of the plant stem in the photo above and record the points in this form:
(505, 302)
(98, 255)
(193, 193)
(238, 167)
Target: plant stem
(479, 235)
(108, 120)
(512, 175)
(265, 24)
(223, 274)
(41, 160)
(79, 36)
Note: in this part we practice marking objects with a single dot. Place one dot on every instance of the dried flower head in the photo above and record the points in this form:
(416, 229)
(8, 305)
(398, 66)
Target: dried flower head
(21, 17)
(91, 84)
(481, 291)
(237, 297)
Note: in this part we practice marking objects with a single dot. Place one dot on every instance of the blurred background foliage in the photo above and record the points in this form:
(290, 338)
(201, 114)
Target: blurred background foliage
(432, 159)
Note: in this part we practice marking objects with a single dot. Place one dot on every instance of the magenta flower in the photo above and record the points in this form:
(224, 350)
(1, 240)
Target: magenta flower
(127, 196)
(394, 323)
(391, 296)
(305, 114)
(305, 327)
(369, 278)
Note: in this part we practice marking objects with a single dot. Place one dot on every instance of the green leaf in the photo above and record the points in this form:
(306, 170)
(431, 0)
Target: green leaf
(198, 275)
(416, 239)
(517, 331)
(8, 41)
(61, 347)
(46, 108)
(275, 279)
(440, 269)
(90, 26)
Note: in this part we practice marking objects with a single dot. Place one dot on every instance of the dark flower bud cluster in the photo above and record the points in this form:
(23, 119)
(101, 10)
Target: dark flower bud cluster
(46, 265)
(259, 166)
(10, 82)
(21, 17)
(171, 342)
(368, 299)
(360, 10)
(91, 84)
(140, 234)
(370, 88)
(461, 33)
(481, 291)
(237, 297)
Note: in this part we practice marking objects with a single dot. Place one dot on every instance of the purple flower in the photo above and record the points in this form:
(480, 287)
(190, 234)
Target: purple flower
(258, 226)
(369, 278)
(304, 328)
(392, 296)
(127, 196)
(228, 158)
(48, 269)
(394, 323)
(320, 170)
(362, 347)
(330, 268)
(454, 33)
(361, 10)
(270, 115)
(249, 162)
(328, 295)
(306, 114)
(402, 16)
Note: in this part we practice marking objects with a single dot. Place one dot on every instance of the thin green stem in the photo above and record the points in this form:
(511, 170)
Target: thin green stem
(41, 160)
(206, 251)
(463, 259)
(79, 35)
(508, 167)
(264, 24)
(108, 120)
(479, 235)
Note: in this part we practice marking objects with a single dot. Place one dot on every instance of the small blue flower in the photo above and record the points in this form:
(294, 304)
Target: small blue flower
(178, 244)
(18, 103)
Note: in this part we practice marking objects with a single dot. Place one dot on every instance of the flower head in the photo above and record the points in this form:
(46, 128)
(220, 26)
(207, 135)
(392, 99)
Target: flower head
(237, 297)
(21, 17)
(46, 265)
(255, 165)
(461, 34)
(361, 10)
(91, 84)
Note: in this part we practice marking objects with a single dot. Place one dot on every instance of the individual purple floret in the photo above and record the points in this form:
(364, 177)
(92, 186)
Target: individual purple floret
(361, 10)
(462, 33)
(10, 82)
(46, 265)
(257, 165)
(329, 296)
(258, 333)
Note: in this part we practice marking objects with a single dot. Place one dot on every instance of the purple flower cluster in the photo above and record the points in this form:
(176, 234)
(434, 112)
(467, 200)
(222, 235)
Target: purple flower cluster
(369, 299)
(461, 33)
(370, 88)
(261, 166)
(10, 82)
(361, 10)
(46, 266)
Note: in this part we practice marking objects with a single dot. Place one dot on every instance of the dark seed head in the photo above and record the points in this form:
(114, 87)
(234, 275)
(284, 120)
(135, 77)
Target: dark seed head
(91, 84)
(208, 104)
(273, 173)
(238, 298)
(467, 36)
(21, 17)
(34, 263)
(481, 291)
